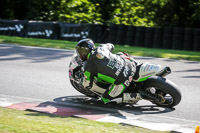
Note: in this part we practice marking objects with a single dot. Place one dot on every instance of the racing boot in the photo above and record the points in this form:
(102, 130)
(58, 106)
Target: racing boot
(131, 98)
(145, 70)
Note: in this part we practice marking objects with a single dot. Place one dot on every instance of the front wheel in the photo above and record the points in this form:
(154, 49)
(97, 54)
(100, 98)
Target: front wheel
(83, 90)
(163, 89)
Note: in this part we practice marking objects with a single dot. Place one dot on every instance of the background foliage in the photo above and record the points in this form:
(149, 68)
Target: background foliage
(157, 13)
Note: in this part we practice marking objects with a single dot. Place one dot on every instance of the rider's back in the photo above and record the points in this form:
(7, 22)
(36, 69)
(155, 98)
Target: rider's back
(108, 66)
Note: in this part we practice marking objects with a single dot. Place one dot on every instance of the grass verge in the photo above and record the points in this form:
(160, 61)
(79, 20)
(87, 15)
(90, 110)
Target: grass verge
(33, 122)
(132, 50)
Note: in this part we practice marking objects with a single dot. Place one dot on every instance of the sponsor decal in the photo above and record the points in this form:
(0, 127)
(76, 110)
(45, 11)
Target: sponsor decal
(71, 35)
(146, 67)
(83, 34)
(117, 72)
(119, 68)
(99, 56)
(18, 28)
(130, 78)
(127, 83)
(46, 33)
(113, 63)
(126, 70)
(133, 71)
(116, 90)
(148, 74)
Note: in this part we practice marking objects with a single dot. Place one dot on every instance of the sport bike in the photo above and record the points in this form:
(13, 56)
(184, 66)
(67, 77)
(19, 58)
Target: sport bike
(157, 89)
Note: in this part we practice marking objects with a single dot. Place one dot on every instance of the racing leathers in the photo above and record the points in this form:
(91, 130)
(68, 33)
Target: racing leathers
(106, 66)
(117, 69)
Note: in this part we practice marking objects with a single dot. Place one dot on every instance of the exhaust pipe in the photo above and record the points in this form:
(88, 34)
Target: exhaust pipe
(164, 72)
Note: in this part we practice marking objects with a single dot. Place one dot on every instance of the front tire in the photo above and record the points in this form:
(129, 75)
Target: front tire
(83, 90)
(165, 89)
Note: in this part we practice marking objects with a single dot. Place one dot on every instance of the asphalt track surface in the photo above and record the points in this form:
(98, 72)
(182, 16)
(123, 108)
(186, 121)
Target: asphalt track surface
(41, 73)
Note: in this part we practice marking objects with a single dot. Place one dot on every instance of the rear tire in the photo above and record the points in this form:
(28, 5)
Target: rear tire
(165, 86)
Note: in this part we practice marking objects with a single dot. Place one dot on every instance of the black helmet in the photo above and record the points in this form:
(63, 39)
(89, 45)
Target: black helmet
(84, 47)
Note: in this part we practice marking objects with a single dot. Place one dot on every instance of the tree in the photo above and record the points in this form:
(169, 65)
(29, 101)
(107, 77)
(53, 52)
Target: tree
(179, 13)
(88, 11)
(159, 13)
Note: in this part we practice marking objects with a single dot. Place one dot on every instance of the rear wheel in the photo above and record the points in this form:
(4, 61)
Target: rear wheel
(83, 90)
(165, 91)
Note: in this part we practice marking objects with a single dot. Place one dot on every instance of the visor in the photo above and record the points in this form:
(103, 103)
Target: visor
(82, 52)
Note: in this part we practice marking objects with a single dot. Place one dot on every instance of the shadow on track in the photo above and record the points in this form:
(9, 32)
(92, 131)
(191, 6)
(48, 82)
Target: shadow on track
(92, 109)
(35, 55)
(136, 109)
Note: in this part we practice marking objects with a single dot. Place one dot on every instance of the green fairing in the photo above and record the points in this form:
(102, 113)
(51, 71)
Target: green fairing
(143, 79)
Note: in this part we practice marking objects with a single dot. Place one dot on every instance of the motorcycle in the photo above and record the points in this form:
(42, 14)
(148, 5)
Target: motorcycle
(156, 89)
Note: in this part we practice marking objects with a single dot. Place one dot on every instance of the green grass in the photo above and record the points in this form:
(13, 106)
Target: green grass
(16, 121)
(138, 51)
(60, 44)
(163, 53)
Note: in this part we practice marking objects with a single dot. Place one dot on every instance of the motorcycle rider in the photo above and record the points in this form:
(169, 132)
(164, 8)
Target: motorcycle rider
(117, 69)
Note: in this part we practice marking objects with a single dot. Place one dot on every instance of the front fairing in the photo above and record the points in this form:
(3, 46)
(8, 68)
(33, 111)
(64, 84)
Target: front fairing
(74, 63)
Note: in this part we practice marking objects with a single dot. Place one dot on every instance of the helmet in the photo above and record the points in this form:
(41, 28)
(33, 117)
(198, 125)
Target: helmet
(84, 47)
